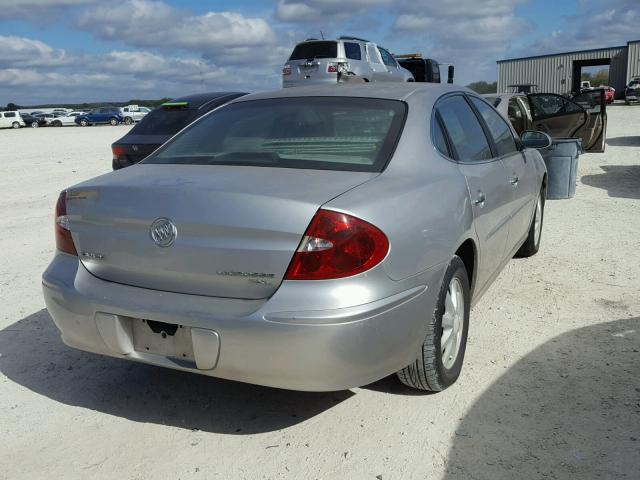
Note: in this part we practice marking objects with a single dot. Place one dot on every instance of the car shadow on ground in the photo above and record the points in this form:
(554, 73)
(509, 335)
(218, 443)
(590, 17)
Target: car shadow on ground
(619, 180)
(32, 355)
(568, 410)
(624, 141)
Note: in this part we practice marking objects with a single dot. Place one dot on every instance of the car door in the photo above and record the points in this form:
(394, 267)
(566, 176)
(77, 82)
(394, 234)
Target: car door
(486, 177)
(595, 132)
(519, 170)
(379, 72)
(559, 117)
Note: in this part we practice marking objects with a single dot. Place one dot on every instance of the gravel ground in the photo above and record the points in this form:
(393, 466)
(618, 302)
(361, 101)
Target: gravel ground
(550, 387)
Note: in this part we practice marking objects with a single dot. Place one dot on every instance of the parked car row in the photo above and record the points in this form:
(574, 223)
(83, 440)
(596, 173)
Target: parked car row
(62, 118)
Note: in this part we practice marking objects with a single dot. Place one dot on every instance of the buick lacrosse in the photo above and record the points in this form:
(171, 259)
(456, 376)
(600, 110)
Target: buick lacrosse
(317, 238)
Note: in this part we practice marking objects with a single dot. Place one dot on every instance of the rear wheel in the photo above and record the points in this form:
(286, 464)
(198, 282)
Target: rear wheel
(84, 122)
(15, 125)
(113, 121)
(532, 244)
(127, 121)
(57, 123)
(34, 125)
(440, 360)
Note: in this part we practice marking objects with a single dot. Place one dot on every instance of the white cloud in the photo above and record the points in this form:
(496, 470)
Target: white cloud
(36, 10)
(469, 33)
(594, 26)
(154, 24)
(26, 52)
(318, 10)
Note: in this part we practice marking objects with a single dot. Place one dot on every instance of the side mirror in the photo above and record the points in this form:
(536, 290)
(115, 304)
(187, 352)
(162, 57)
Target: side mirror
(535, 139)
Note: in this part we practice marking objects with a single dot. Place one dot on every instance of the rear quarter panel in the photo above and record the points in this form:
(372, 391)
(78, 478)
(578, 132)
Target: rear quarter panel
(421, 201)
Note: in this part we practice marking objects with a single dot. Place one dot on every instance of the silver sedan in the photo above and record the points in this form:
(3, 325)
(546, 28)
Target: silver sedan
(317, 238)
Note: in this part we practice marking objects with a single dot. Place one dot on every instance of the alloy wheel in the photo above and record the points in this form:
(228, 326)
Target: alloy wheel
(452, 323)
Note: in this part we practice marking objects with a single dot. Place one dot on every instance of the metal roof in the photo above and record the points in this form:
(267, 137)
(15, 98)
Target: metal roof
(575, 52)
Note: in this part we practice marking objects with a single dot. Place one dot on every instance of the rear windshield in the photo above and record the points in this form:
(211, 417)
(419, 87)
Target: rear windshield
(324, 133)
(310, 50)
(164, 122)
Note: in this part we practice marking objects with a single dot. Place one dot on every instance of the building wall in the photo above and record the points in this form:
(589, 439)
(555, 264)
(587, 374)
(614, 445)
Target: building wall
(554, 73)
(633, 60)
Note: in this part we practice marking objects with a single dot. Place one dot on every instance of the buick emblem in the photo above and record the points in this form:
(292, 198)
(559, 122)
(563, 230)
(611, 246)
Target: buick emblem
(163, 232)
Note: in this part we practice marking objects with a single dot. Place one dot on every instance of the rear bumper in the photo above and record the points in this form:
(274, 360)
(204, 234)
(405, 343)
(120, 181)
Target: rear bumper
(253, 341)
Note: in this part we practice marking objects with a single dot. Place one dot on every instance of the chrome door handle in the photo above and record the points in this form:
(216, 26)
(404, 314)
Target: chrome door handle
(514, 181)
(479, 201)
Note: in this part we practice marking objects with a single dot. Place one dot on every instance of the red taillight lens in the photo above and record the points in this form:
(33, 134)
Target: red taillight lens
(337, 245)
(332, 68)
(117, 152)
(64, 242)
(286, 71)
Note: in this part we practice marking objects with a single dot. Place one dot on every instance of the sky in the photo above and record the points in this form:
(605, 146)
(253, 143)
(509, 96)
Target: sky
(56, 51)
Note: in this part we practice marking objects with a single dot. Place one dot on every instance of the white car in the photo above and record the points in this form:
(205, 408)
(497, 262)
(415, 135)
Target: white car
(11, 120)
(65, 120)
(133, 113)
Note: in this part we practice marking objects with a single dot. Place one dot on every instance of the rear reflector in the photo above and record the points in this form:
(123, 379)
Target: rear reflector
(337, 245)
(332, 68)
(117, 152)
(64, 242)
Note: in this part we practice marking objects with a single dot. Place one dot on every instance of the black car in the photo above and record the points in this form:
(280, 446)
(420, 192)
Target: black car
(31, 121)
(162, 123)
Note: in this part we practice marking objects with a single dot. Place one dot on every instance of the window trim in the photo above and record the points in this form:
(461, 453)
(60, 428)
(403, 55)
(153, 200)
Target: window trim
(488, 133)
(456, 157)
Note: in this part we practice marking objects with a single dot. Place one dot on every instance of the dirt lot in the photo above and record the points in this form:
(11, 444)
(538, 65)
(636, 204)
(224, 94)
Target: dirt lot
(550, 388)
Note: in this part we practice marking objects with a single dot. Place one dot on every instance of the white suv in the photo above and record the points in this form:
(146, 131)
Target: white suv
(11, 120)
(345, 59)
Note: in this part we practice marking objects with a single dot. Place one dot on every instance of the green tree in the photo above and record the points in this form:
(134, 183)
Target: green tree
(13, 106)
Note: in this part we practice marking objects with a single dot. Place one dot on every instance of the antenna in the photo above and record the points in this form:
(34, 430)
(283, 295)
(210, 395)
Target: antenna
(321, 34)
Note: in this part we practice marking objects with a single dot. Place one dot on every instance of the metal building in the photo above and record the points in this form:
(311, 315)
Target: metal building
(560, 72)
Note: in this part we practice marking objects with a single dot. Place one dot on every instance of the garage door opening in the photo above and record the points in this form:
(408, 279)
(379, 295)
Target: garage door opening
(596, 72)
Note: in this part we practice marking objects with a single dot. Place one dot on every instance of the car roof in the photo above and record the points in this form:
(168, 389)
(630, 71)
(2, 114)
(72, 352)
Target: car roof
(383, 90)
(199, 99)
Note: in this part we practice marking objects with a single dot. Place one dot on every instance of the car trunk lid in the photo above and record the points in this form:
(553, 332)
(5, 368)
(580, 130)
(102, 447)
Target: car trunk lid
(237, 227)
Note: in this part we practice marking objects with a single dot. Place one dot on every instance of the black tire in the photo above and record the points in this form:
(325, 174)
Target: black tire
(428, 371)
(34, 125)
(15, 125)
(113, 121)
(532, 244)
(84, 122)
(127, 121)
(56, 123)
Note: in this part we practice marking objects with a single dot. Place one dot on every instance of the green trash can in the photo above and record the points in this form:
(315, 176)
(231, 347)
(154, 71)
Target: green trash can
(561, 159)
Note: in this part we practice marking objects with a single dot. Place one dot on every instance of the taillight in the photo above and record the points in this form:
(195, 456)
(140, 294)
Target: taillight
(337, 245)
(331, 68)
(117, 152)
(64, 242)
(286, 70)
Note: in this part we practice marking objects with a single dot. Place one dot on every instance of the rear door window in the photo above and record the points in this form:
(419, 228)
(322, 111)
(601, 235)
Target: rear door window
(372, 53)
(465, 132)
(387, 58)
(498, 127)
(10, 114)
(352, 51)
(311, 50)
(551, 105)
